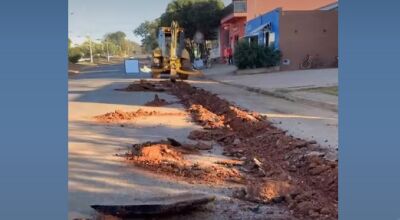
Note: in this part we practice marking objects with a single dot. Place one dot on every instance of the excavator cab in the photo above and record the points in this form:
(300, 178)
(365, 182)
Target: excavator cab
(171, 57)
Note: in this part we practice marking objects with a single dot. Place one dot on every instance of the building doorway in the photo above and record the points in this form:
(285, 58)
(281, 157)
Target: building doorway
(266, 38)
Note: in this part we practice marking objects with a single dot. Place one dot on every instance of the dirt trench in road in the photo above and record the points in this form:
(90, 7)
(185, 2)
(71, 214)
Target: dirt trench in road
(98, 177)
(275, 167)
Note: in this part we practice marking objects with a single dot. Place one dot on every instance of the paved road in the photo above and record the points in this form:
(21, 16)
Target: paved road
(97, 176)
(300, 120)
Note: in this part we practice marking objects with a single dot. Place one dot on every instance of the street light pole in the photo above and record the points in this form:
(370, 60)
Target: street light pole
(108, 54)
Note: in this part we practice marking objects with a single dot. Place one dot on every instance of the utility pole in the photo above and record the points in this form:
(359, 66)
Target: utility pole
(91, 51)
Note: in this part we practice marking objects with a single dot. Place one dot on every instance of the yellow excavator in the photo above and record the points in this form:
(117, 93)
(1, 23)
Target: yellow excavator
(171, 57)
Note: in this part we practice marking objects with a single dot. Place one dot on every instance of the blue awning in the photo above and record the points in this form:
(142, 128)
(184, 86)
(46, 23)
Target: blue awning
(255, 32)
(251, 34)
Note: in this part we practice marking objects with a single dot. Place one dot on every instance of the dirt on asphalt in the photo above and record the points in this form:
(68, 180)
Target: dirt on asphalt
(143, 85)
(157, 102)
(120, 115)
(277, 167)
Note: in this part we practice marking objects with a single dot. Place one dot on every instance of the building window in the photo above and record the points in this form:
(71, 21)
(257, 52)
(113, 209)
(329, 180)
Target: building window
(266, 38)
(269, 39)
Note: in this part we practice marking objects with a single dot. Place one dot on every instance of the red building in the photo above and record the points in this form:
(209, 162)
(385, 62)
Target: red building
(233, 24)
(239, 12)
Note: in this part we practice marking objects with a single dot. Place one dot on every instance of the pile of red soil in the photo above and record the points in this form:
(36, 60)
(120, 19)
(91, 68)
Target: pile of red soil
(164, 158)
(205, 118)
(310, 182)
(157, 102)
(119, 115)
(157, 153)
(266, 191)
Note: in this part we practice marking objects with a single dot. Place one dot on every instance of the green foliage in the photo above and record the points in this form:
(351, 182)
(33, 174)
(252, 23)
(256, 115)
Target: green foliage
(252, 55)
(148, 32)
(195, 15)
(125, 47)
(147, 28)
(69, 43)
(74, 58)
(117, 44)
(117, 37)
(272, 57)
(74, 54)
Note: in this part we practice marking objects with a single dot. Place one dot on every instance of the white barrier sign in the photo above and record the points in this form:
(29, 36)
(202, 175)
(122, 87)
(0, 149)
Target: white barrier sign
(132, 67)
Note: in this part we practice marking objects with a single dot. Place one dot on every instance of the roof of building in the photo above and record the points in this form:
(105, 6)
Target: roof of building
(330, 6)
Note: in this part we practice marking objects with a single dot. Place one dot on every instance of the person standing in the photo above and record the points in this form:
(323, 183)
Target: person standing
(230, 55)
(226, 57)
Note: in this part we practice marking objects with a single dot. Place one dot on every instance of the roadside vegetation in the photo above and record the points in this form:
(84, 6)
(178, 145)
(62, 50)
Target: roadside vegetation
(251, 55)
(197, 17)
(112, 49)
(113, 44)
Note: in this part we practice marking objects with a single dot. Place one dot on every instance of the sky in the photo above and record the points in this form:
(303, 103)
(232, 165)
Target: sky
(95, 18)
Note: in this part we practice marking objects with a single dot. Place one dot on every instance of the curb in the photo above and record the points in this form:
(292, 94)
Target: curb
(323, 105)
(282, 95)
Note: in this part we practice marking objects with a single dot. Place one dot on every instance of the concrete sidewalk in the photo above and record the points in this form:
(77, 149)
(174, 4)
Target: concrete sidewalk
(285, 84)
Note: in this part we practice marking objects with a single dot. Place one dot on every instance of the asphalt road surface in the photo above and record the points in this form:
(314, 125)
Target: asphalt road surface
(97, 176)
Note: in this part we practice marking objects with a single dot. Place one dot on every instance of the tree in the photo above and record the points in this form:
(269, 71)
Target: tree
(148, 31)
(69, 43)
(118, 44)
(195, 16)
(85, 48)
(74, 53)
(117, 37)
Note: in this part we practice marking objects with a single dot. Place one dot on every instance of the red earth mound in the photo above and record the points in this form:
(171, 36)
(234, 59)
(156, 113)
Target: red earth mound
(119, 115)
(164, 158)
(286, 171)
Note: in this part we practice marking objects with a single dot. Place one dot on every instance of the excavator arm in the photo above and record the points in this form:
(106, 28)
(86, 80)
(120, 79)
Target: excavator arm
(176, 57)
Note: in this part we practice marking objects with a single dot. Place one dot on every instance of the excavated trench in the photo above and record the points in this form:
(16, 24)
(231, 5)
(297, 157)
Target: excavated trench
(276, 167)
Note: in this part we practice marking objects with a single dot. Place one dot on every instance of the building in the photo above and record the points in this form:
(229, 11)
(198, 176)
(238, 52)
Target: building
(296, 27)
(239, 12)
(330, 7)
(233, 24)
(299, 34)
(255, 8)
(264, 29)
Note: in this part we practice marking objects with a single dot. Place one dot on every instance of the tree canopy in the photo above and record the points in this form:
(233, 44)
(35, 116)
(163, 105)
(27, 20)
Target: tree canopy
(119, 45)
(117, 38)
(148, 32)
(116, 44)
(195, 15)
